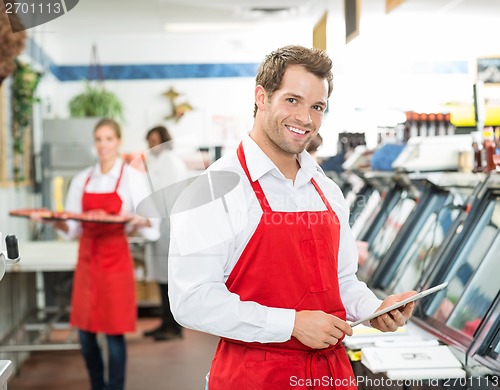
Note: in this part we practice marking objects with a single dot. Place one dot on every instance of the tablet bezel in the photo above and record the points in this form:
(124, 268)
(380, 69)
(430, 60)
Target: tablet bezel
(399, 304)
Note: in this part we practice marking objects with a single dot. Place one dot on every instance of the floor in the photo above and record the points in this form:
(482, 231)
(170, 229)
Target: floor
(168, 365)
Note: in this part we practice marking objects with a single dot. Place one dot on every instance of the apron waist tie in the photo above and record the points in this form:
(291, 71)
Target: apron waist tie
(267, 347)
(325, 353)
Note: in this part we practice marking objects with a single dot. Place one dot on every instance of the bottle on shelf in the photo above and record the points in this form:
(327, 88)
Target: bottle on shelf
(407, 126)
(478, 160)
(489, 149)
(431, 127)
(450, 127)
(414, 125)
(497, 140)
(441, 126)
(423, 124)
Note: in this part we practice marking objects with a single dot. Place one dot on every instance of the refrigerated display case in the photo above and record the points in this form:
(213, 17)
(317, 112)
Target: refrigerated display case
(400, 201)
(413, 254)
(470, 265)
(484, 354)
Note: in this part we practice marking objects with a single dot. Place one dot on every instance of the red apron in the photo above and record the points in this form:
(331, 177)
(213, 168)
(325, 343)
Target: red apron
(291, 261)
(103, 298)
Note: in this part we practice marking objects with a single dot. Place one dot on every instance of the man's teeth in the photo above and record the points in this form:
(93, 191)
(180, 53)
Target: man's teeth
(296, 130)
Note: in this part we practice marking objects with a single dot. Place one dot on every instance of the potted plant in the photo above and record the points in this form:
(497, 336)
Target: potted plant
(96, 101)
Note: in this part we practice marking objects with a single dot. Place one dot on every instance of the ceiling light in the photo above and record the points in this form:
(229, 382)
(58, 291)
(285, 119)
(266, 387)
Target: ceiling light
(205, 27)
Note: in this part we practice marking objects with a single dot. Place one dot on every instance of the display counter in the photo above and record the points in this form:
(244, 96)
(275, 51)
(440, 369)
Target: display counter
(5, 373)
(453, 236)
(46, 256)
(32, 326)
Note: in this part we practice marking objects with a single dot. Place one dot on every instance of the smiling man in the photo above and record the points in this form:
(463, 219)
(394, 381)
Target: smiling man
(280, 289)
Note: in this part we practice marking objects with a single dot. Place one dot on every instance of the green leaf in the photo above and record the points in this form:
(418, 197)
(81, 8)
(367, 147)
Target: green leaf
(95, 101)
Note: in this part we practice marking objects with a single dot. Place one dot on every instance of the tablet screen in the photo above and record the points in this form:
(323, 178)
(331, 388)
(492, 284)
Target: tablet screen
(399, 304)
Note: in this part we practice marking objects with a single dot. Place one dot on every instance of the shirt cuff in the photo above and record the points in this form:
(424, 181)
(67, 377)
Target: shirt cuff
(373, 305)
(280, 323)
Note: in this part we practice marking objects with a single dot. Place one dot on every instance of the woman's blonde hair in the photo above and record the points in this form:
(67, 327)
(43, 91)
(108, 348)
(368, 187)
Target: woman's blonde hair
(111, 123)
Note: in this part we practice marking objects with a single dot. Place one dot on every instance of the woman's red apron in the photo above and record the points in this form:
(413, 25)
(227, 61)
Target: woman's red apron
(103, 298)
(291, 261)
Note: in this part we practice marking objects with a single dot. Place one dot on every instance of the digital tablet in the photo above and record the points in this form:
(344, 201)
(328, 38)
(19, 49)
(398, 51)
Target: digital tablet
(399, 304)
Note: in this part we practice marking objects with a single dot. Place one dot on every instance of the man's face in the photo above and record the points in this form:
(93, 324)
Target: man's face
(294, 113)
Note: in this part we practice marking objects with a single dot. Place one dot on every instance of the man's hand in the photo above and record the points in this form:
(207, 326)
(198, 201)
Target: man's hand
(389, 322)
(319, 330)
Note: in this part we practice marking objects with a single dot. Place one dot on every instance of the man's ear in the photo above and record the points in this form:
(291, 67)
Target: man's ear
(260, 97)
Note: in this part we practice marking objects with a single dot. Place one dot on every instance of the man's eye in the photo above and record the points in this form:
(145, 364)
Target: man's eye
(319, 108)
(291, 100)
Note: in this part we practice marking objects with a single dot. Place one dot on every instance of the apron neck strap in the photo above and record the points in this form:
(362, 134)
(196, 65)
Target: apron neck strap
(117, 182)
(323, 197)
(120, 177)
(258, 189)
(259, 193)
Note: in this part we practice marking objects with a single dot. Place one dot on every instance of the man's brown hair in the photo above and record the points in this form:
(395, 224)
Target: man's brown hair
(271, 70)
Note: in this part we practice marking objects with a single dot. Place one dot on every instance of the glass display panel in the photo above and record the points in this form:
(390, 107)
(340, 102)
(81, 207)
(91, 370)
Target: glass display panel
(425, 242)
(479, 294)
(367, 216)
(496, 349)
(423, 247)
(385, 237)
(473, 278)
(374, 224)
(358, 206)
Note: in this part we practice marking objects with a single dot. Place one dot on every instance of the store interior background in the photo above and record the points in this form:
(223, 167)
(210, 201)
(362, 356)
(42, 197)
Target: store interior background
(418, 57)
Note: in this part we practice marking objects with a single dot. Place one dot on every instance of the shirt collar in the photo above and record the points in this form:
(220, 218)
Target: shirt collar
(259, 163)
(308, 165)
(114, 173)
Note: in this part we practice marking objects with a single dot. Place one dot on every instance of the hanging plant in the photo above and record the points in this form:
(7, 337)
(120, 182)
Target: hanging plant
(11, 44)
(24, 83)
(96, 101)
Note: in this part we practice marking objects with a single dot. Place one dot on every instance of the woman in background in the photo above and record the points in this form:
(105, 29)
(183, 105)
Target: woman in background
(103, 297)
(164, 166)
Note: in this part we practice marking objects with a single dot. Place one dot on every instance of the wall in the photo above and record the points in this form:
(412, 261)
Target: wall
(145, 106)
(221, 104)
(403, 62)
(398, 62)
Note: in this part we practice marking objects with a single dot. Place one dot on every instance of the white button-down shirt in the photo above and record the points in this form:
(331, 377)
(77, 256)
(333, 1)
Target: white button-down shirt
(132, 189)
(199, 297)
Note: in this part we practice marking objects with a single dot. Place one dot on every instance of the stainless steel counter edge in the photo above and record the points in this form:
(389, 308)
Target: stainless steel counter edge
(5, 373)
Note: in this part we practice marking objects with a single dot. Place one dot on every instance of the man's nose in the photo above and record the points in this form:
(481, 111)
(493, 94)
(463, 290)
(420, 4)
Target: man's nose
(303, 115)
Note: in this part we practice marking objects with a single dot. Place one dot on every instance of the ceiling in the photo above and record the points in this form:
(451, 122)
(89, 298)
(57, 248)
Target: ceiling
(152, 16)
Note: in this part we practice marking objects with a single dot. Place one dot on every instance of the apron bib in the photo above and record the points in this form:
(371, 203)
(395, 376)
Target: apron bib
(103, 298)
(290, 262)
